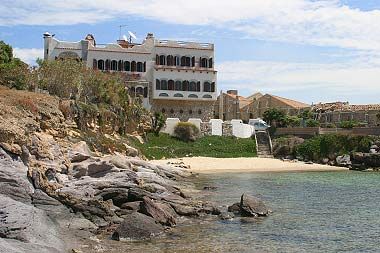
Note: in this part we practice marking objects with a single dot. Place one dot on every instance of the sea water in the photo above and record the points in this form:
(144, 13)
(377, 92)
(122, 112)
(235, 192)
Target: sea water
(312, 212)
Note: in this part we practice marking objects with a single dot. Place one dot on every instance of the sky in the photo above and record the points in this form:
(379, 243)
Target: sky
(308, 50)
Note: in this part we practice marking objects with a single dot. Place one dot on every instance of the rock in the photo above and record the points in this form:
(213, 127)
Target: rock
(92, 169)
(137, 226)
(343, 160)
(226, 216)
(131, 151)
(375, 147)
(283, 147)
(79, 152)
(137, 194)
(184, 210)
(234, 208)
(373, 151)
(252, 206)
(118, 196)
(325, 161)
(133, 206)
(40, 198)
(150, 208)
(25, 226)
(13, 179)
(209, 188)
(120, 161)
(368, 159)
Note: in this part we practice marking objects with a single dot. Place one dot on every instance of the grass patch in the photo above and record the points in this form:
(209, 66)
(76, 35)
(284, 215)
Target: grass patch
(165, 146)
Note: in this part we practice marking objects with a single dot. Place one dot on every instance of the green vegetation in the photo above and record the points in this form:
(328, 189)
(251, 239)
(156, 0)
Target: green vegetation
(349, 124)
(322, 146)
(312, 123)
(186, 131)
(165, 146)
(277, 118)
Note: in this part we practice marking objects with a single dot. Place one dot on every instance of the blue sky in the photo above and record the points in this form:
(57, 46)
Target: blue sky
(312, 51)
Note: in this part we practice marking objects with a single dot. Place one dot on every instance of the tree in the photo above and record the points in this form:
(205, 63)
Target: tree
(6, 53)
(274, 117)
(158, 122)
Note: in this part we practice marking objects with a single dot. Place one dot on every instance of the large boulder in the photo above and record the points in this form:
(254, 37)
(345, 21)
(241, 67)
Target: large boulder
(157, 212)
(285, 146)
(252, 206)
(367, 159)
(79, 152)
(343, 160)
(137, 226)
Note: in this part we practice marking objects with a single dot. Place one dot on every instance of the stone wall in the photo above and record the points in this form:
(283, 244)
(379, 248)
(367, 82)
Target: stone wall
(206, 129)
(184, 110)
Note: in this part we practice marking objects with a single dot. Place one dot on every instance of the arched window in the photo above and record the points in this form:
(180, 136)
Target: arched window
(193, 86)
(188, 61)
(107, 67)
(162, 59)
(101, 64)
(157, 59)
(212, 87)
(206, 87)
(207, 96)
(185, 85)
(113, 65)
(193, 96)
(94, 64)
(178, 85)
(139, 91)
(158, 85)
(198, 86)
(132, 91)
(193, 61)
(120, 65)
(169, 60)
(139, 67)
(210, 63)
(204, 62)
(177, 61)
(183, 61)
(144, 67)
(178, 95)
(127, 66)
(171, 85)
(133, 66)
(163, 95)
(164, 85)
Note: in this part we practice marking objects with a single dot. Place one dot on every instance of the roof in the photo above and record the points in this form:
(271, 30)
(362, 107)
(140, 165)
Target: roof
(345, 106)
(242, 100)
(254, 96)
(290, 102)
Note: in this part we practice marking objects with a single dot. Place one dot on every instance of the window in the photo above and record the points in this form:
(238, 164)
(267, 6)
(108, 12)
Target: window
(178, 85)
(94, 64)
(204, 62)
(193, 96)
(114, 65)
(133, 66)
(213, 87)
(193, 86)
(177, 61)
(178, 95)
(158, 85)
(139, 67)
(207, 96)
(157, 59)
(107, 67)
(185, 85)
(101, 64)
(171, 85)
(163, 95)
(164, 85)
(198, 86)
(162, 59)
(183, 61)
(210, 63)
(206, 87)
(127, 66)
(193, 61)
(190, 111)
(170, 60)
(120, 65)
(139, 91)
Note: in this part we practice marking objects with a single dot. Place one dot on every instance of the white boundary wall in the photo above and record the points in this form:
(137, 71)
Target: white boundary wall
(239, 129)
(216, 127)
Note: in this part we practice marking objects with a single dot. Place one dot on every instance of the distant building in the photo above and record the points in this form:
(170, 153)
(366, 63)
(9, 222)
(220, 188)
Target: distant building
(336, 112)
(173, 77)
(251, 107)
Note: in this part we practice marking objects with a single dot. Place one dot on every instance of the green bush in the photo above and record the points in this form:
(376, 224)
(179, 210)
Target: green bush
(292, 121)
(348, 124)
(186, 131)
(330, 125)
(312, 123)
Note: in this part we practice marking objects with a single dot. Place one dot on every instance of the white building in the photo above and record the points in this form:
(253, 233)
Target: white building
(174, 77)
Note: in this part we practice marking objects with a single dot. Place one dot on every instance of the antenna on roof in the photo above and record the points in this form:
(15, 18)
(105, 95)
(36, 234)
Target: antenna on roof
(131, 35)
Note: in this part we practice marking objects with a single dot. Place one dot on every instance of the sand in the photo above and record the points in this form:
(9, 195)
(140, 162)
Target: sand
(218, 165)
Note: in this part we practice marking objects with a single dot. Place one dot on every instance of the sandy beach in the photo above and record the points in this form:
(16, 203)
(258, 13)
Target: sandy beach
(217, 165)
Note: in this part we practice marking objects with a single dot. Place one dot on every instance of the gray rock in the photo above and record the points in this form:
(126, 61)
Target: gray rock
(226, 216)
(343, 160)
(13, 179)
(373, 151)
(133, 206)
(234, 208)
(160, 215)
(137, 226)
(252, 206)
(79, 152)
(118, 196)
(24, 224)
(185, 210)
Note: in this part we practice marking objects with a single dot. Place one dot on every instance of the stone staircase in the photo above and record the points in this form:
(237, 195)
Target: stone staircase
(264, 145)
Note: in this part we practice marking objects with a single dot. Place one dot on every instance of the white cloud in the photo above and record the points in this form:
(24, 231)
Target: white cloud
(28, 55)
(315, 22)
(354, 81)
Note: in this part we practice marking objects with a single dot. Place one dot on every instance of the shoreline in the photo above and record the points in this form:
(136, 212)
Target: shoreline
(246, 164)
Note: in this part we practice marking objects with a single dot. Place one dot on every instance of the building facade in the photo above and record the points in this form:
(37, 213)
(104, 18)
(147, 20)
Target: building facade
(173, 77)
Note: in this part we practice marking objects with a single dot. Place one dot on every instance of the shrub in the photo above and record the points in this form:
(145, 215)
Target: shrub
(330, 125)
(312, 123)
(292, 121)
(348, 124)
(186, 131)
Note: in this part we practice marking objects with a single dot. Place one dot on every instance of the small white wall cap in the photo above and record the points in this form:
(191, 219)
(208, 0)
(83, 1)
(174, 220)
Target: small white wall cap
(47, 34)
